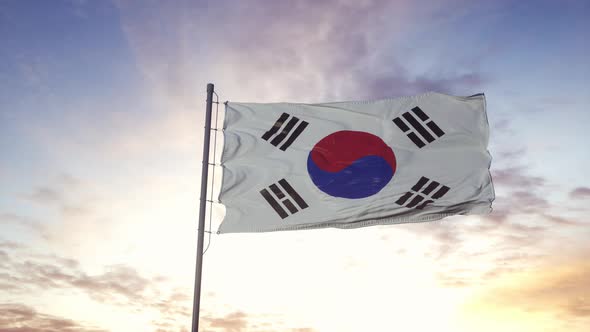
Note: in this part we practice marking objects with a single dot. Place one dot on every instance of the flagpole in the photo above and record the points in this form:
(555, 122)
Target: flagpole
(203, 204)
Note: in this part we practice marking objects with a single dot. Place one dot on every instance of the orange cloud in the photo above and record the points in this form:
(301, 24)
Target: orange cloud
(564, 290)
(553, 297)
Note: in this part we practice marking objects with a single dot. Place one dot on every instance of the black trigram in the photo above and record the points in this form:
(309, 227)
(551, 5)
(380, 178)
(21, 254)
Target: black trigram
(432, 191)
(281, 197)
(418, 128)
(287, 129)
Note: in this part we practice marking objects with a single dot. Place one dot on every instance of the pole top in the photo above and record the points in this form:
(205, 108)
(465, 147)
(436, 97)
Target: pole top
(210, 87)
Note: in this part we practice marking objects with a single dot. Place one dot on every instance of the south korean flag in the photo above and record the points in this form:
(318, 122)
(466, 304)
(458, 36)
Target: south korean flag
(293, 166)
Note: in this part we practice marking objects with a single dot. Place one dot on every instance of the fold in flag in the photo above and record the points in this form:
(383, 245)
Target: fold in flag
(353, 164)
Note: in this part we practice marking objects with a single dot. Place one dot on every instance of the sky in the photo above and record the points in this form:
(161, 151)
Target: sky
(101, 136)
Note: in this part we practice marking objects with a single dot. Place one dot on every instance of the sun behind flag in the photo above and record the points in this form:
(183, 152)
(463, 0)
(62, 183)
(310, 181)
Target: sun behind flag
(352, 164)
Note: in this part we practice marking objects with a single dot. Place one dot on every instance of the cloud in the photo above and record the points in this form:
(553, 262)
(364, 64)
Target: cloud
(233, 322)
(10, 244)
(70, 208)
(41, 272)
(300, 51)
(24, 271)
(519, 193)
(28, 270)
(173, 308)
(517, 177)
(561, 221)
(561, 289)
(66, 203)
(397, 84)
(503, 125)
(22, 318)
(62, 186)
(239, 321)
(22, 221)
(580, 193)
(525, 194)
(45, 195)
(123, 281)
(491, 265)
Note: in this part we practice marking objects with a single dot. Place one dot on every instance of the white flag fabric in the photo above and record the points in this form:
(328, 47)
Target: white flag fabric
(293, 166)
